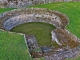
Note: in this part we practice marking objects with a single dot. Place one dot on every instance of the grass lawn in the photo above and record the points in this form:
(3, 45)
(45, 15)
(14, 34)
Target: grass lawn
(5, 9)
(42, 31)
(13, 47)
(78, 58)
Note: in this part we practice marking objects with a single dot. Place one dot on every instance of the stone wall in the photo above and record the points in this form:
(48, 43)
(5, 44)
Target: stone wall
(62, 54)
(64, 38)
(25, 3)
(13, 18)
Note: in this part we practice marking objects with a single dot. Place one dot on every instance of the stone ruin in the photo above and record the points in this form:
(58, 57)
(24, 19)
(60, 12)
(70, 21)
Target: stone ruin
(10, 19)
(67, 43)
(26, 3)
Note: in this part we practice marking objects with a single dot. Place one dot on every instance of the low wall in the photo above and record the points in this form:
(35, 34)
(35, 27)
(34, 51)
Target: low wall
(12, 22)
(8, 20)
(26, 3)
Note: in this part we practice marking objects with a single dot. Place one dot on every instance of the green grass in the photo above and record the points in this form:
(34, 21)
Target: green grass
(42, 31)
(71, 9)
(5, 9)
(13, 47)
(41, 58)
(78, 58)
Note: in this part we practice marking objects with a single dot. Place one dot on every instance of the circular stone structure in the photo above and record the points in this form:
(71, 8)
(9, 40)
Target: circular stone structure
(68, 43)
(10, 19)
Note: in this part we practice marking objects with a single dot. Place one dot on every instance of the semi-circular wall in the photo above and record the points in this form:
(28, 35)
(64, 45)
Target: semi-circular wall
(10, 19)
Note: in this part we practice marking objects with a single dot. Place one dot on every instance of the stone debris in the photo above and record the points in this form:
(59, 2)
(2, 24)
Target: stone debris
(32, 42)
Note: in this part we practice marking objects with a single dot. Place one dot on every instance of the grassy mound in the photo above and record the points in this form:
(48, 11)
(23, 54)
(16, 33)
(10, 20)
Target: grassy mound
(42, 31)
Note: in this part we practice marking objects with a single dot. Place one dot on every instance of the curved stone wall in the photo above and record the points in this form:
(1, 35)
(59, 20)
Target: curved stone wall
(8, 20)
(12, 22)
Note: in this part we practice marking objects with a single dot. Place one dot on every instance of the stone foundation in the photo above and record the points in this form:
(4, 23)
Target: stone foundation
(13, 18)
(68, 44)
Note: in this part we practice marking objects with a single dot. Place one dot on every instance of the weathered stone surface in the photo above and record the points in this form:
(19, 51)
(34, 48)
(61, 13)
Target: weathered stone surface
(25, 3)
(14, 21)
(62, 54)
(68, 44)
(20, 16)
(32, 42)
(64, 38)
